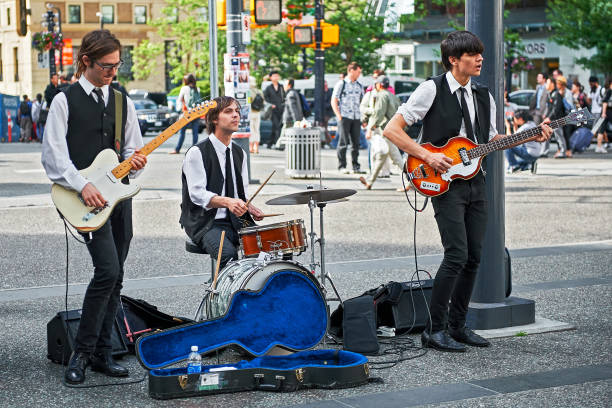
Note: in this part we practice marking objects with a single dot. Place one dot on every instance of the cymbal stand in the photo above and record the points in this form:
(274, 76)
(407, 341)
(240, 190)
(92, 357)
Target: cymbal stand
(324, 276)
(313, 265)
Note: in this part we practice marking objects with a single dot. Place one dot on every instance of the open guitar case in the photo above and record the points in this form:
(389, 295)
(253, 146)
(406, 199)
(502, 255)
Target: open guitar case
(288, 313)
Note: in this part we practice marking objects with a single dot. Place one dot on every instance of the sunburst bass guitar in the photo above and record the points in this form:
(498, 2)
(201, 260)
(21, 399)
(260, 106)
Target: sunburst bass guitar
(467, 156)
(105, 173)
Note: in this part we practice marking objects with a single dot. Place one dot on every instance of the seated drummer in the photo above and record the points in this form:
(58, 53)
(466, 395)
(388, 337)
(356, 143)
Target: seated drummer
(215, 180)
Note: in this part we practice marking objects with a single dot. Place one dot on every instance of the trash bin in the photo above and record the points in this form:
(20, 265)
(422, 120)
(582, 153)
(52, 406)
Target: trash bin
(303, 147)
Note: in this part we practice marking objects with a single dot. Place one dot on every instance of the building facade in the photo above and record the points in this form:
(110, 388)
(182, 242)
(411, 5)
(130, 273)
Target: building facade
(23, 70)
(416, 50)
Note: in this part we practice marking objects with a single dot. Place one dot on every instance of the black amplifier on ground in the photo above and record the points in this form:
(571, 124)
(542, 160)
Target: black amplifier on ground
(61, 332)
(410, 310)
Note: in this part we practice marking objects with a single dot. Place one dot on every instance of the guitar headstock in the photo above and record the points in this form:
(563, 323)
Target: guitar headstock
(199, 110)
(579, 117)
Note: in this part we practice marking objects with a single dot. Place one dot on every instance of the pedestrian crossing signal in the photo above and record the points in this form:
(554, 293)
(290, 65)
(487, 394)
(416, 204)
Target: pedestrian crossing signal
(268, 11)
(302, 35)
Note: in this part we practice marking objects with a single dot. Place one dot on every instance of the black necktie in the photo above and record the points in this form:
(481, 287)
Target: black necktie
(466, 116)
(229, 180)
(98, 92)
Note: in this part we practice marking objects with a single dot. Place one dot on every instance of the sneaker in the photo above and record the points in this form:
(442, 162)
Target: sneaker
(344, 170)
(359, 171)
(600, 149)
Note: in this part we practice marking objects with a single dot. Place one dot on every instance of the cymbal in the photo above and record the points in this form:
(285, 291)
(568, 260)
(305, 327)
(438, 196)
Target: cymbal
(303, 197)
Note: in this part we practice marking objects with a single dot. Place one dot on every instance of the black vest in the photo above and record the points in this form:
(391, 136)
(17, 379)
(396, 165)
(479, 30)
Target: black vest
(91, 129)
(195, 219)
(443, 120)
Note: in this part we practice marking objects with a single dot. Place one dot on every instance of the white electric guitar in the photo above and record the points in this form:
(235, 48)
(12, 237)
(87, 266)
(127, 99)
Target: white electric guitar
(105, 173)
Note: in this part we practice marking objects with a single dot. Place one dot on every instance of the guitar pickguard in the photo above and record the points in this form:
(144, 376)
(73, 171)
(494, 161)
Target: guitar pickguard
(461, 170)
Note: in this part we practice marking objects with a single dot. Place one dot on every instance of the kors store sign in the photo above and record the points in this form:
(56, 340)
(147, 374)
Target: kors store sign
(541, 49)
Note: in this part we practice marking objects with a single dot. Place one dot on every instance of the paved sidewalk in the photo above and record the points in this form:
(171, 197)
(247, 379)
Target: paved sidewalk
(557, 229)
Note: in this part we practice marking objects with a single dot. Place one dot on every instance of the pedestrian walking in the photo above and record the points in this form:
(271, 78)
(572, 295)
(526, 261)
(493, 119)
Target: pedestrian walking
(538, 103)
(189, 96)
(346, 99)
(555, 110)
(257, 104)
(274, 94)
(36, 125)
(293, 110)
(24, 113)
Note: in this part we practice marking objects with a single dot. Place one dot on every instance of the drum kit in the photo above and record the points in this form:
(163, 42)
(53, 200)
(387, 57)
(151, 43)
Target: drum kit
(266, 249)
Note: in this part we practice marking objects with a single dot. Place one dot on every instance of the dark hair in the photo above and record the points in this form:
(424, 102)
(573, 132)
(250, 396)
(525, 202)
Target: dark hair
(274, 72)
(189, 80)
(593, 78)
(352, 66)
(291, 82)
(39, 97)
(96, 44)
(213, 114)
(523, 114)
(25, 97)
(378, 72)
(544, 75)
(458, 43)
(559, 71)
(607, 83)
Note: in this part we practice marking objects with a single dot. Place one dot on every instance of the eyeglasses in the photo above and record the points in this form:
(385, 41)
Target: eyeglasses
(108, 67)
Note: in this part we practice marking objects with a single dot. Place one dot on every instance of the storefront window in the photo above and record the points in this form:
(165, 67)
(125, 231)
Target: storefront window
(74, 14)
(140, 14)
(108, 14)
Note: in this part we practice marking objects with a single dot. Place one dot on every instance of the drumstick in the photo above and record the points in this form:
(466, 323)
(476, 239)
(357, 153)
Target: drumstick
(272, 215)
(260, 187)
(218, 260)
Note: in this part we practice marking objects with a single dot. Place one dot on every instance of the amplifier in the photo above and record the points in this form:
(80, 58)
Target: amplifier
(61, 332)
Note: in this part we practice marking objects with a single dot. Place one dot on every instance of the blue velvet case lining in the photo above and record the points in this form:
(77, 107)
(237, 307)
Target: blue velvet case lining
(289, 311)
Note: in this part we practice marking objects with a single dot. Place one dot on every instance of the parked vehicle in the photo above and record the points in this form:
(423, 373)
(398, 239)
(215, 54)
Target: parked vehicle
(521, 98)
(153, 117)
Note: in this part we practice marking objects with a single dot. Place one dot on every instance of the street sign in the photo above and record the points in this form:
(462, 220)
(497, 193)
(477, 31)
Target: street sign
(67, 52)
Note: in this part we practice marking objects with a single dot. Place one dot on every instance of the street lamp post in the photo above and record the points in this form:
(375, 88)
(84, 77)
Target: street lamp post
(99, 14)
(58, 15)
(50, 23)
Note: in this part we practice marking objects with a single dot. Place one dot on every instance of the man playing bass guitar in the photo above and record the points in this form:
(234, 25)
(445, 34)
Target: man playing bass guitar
(450, 105)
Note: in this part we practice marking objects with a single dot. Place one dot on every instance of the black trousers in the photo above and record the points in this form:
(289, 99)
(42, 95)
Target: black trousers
(461, 215)
(277, 124)
(108, 249)
(349, 131)
(210, 241)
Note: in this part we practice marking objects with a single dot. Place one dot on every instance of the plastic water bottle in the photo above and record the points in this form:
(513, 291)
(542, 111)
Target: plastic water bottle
(194, 362)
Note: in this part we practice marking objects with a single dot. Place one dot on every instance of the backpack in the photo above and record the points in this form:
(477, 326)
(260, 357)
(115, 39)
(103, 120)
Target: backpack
(24, 109)
(194, 97)
(258, 103)
(305, 106)
(580, 139)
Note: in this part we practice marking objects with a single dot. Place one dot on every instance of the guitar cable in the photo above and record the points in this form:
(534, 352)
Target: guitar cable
(66, 384)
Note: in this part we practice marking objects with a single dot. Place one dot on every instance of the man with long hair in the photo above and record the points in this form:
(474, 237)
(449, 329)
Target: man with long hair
(452, 104)
(81, 123)
(215, 179)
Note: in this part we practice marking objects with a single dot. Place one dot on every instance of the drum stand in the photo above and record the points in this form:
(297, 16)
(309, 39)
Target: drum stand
(323, 275)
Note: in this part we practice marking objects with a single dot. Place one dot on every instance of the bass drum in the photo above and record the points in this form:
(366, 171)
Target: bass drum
(252, 274)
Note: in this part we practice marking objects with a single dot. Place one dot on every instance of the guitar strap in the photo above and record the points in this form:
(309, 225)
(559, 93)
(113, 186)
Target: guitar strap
(118, 120)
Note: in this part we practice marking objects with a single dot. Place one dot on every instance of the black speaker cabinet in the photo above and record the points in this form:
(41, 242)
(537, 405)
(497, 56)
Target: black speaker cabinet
(61, 332)
(411, 313)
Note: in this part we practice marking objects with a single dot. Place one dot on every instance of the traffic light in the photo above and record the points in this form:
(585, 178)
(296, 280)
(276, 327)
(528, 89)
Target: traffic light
(22, 17)
(268, 11)
(302, 35)
(221, 13)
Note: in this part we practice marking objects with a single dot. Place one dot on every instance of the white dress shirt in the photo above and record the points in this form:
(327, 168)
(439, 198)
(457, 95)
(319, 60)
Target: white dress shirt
(55, 156)
(195, 174)
(423, 97)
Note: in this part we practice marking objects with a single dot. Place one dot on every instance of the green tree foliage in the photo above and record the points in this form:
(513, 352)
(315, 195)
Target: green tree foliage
(584, 23)
(361, 35)
(184, 23)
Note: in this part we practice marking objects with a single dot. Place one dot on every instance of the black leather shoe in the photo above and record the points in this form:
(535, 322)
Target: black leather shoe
(75, 373)
(467, 336)
(441, 340)
(103, 362)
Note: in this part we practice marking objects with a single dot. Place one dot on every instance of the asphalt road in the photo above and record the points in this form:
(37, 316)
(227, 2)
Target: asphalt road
(557, 226)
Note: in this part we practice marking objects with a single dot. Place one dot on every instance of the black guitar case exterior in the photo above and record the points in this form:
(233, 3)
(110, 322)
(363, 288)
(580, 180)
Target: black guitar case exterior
(306, 369)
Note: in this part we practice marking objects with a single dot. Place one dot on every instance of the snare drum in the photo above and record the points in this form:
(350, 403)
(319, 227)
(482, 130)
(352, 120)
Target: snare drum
(284, 237)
